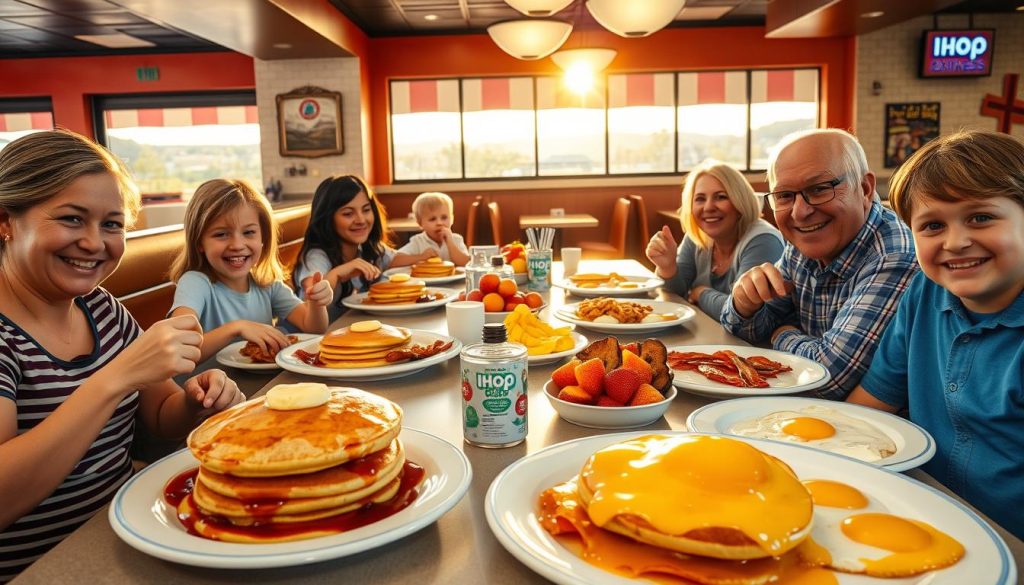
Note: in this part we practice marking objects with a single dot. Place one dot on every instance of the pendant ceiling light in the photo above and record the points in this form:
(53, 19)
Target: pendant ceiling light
(538, 7)
(530, 40)
(634, 18)
(593, 59)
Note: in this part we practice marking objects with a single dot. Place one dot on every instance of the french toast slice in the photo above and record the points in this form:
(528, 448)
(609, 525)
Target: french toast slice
(655, 353)
(606, 349)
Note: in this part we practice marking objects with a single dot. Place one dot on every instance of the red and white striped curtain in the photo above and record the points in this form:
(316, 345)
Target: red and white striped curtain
(431, 95)
(22, 121)
(713, 87)
(159, 117)
(784, 85)
(497, 93)
(644, 89)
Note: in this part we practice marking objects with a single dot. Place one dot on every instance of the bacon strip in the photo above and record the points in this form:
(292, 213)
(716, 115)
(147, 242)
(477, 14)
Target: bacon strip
(418, 352)
(717, 374)
(729, 368)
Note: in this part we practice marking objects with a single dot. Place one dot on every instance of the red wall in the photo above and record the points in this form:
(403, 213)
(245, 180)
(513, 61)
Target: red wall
(667, 50)
(71, 81)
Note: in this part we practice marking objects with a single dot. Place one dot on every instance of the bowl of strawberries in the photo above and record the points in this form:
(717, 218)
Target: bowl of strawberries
(612, 386)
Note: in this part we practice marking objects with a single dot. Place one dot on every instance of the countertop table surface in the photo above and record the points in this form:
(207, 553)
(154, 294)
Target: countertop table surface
(459, 547)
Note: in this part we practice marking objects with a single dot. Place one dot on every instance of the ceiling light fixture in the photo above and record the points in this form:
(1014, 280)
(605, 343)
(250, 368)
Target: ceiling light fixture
(530, 40)
(582, 65)
(115, 41)
(538, 7)
(872, 14)
(635, 18)
(431, 17)
(282, 45)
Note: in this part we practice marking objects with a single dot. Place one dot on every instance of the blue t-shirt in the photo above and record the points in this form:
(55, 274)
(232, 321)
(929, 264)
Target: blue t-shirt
(962, 381)
(216, 304)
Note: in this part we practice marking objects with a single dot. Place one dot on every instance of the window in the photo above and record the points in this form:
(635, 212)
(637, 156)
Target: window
(781, 102)
(641, 123)
(498, 127)
(635, 123)
(173, 143)
(19, 117)
(426, 130)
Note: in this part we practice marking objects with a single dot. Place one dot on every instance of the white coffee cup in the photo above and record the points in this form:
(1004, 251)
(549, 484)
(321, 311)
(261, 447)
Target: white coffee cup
(465, 321)
(571, 260)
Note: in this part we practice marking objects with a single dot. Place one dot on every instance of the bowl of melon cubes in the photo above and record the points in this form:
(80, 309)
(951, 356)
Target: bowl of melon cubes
(613, 386)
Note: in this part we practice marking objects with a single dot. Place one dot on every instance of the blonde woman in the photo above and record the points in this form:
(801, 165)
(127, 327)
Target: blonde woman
(725, 236)
(77, 374)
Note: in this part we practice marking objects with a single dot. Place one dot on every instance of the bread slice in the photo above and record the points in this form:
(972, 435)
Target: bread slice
(655, 353)
(606, 349)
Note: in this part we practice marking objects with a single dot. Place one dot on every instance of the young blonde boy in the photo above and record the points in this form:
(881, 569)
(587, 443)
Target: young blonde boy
(953, 353)
(434, 213)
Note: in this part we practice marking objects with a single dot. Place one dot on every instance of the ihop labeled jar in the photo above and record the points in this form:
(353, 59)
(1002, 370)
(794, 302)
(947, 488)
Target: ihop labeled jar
(494, 402)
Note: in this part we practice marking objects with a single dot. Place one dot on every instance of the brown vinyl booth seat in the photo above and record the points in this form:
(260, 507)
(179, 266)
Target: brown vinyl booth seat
(142, 284)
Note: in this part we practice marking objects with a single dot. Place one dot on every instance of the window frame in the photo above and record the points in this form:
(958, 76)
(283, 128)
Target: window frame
(748, 72)
(102, 103)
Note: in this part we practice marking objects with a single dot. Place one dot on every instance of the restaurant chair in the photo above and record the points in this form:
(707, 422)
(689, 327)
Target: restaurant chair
(644, 232)
(474, 212)
(495, 213)
(615, 247)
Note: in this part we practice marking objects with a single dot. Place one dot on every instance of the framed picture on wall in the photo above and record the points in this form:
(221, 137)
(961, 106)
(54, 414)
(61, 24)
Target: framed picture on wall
(908, 127)
(309, 122)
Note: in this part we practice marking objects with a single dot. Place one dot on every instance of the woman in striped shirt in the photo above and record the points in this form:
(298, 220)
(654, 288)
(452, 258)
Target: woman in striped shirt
(76, 371)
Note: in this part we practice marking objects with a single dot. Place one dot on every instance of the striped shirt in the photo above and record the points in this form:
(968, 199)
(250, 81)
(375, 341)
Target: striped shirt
(842, 308)
(38, 383)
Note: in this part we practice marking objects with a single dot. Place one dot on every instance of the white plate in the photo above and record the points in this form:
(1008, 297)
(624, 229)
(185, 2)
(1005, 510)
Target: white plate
(684, 313)
(806, 375)
(230, 356)
(459, 274)
(356, 302)
(511, 509)
(540, 360)
(287, 360)
(645, 284)
(914, 446)
(141, 517)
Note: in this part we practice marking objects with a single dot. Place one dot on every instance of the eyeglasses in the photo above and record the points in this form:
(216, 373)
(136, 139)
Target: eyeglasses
(815, 194)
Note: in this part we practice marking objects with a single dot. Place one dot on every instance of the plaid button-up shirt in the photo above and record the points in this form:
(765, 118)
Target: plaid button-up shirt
(842, 308)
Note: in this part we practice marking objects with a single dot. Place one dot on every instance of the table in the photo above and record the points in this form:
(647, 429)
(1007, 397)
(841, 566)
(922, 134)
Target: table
(458, 548)
(571, 220)
(403, 224)
(669, 214)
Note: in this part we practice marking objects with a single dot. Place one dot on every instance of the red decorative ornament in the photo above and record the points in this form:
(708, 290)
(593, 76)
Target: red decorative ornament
(1006, 109)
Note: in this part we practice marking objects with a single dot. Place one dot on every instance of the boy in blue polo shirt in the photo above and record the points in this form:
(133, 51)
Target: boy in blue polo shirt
(954, 353)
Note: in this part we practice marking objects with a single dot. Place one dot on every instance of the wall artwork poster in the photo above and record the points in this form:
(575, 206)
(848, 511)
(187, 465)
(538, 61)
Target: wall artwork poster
(309, 122)
(908, 127)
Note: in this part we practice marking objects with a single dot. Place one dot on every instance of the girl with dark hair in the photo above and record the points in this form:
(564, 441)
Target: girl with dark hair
(346, 239)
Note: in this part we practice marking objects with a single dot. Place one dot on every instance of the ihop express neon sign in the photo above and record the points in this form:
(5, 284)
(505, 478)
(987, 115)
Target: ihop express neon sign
(957, 53)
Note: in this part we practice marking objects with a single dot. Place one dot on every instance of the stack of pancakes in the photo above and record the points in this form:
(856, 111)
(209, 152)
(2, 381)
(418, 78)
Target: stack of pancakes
(433, 268)
(396, 291)
(263, 466)
(361, 345)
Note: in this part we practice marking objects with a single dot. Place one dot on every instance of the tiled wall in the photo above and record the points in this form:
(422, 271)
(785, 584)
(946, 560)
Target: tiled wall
(892, 56)
(277, 77)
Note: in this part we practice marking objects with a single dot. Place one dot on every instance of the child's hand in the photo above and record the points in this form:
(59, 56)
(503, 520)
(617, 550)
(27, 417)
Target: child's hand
(427, 254)
(661, 250)
(318, 291)
(213, 390)
(358, 266)
(269, 338)
(168, 348)
(446, 234)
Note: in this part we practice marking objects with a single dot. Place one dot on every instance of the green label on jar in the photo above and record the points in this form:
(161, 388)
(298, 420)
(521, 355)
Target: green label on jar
(497, 405)
(471, 420)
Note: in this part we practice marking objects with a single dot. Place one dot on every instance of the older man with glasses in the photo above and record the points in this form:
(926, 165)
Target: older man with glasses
(846, 263)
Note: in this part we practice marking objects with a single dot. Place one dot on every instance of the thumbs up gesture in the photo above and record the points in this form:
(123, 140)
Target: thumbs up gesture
(318, 291)
(661, 250)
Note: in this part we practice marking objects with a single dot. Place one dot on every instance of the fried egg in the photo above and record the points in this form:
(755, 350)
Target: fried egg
(854, 533)
(821, 427)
